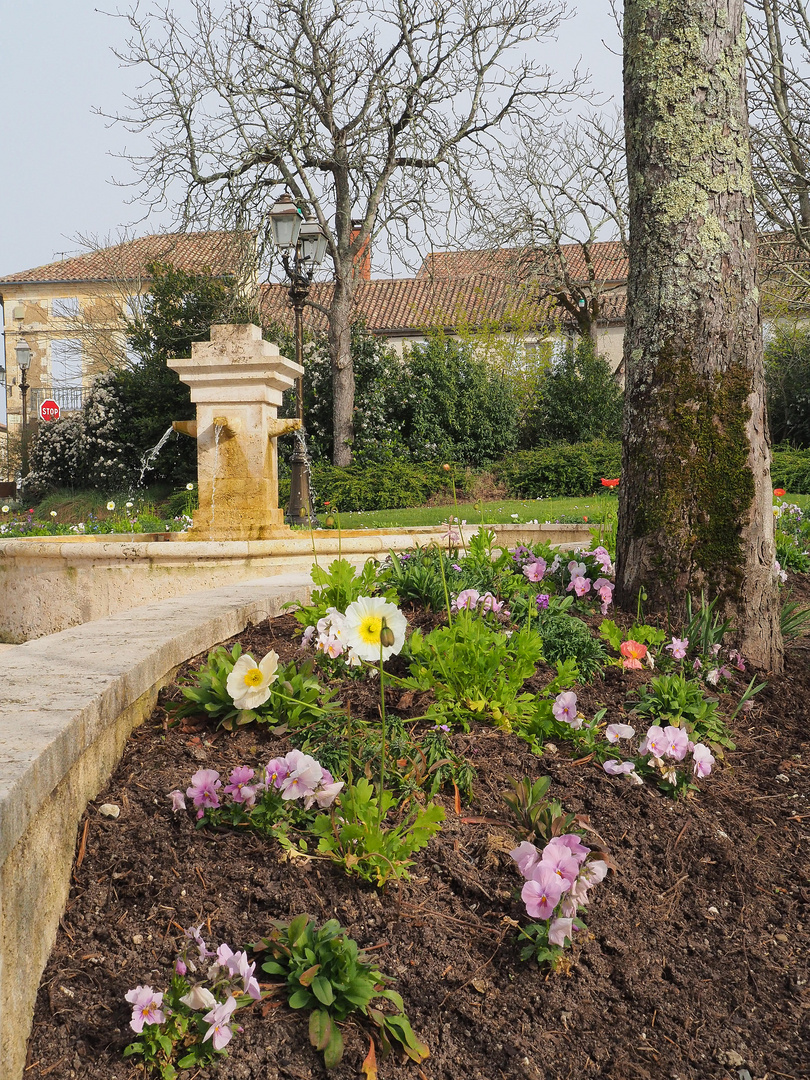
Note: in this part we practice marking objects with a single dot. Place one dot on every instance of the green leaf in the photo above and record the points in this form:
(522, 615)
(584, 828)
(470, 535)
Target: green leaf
(320, 1029)
(307, 976)
(300, 999)
(297, 930)
(322, 989)
(334, 1051)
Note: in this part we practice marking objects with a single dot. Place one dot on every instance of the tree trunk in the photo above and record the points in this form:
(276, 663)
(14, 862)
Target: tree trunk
(695, 509)
(341, 313)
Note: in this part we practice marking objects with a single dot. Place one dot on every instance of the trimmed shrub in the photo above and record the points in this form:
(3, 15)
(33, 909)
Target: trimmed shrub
(790, 469)
(567, 469)
(387, 486)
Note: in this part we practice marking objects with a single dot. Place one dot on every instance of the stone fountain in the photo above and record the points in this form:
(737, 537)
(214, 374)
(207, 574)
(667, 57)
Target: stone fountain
(237, 381)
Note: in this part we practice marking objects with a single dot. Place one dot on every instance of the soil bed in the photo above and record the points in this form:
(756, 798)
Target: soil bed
(695, 966)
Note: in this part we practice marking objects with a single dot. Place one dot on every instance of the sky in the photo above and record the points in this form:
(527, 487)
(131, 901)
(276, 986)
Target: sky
(60, 166)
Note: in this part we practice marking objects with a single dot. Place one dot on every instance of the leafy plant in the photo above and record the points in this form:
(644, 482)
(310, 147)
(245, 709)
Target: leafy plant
(676, 700)
(704, 628)
(537, 817)
(567, 637)
(356, 835)
(475, 669)
(340, 585)
(416, 576)
(325, 971)
(794, 619)
(296, 697)
(642, 632)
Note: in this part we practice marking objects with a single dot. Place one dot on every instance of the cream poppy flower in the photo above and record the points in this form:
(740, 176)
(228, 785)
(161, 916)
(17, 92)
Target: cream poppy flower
(365, 619)
(110, 505)
(249, 682)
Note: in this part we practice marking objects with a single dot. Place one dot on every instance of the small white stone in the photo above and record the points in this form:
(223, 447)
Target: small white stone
(109, 809)
(713, 911)
(137, 939)
(782, 778)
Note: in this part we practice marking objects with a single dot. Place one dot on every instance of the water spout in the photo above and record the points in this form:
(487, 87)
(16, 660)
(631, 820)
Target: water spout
(150, 455)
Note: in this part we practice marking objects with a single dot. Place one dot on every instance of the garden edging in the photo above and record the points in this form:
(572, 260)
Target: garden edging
(68, 703)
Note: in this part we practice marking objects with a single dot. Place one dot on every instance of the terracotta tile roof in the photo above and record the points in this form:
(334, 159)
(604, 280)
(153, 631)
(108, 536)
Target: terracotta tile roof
(219, 252)
(518, 264)
(411, 304)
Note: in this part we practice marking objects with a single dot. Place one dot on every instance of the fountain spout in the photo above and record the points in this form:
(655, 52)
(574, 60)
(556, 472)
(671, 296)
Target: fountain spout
(237, 381)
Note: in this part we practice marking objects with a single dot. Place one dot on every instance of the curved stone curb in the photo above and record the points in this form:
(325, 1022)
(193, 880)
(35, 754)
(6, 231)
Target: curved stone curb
(68, 703)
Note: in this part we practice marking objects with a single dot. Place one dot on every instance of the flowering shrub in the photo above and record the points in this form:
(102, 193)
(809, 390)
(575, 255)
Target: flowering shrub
(190, 1023)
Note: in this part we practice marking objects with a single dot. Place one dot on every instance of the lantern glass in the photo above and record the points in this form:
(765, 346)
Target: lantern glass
(312, 242)
(285, 220)
(23, 354)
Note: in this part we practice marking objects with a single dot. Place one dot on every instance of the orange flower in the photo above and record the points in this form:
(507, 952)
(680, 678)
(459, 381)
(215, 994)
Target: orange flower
(610, 483)
(779, 492)
(633, 652)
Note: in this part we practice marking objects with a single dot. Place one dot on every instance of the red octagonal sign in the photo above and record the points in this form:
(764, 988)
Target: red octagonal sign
(49, 410)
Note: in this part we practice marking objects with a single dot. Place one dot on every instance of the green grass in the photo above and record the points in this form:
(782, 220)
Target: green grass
(501, 511)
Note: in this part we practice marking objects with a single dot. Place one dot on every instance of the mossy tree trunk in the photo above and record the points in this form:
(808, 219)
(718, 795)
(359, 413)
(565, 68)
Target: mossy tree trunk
(695, 509)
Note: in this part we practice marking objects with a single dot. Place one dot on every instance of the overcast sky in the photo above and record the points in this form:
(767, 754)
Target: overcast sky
(59, 159)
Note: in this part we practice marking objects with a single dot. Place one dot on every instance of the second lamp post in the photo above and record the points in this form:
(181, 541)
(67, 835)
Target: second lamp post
(302, 246)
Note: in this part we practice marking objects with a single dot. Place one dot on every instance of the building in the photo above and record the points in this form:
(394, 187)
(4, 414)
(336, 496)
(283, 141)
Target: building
(71, 313)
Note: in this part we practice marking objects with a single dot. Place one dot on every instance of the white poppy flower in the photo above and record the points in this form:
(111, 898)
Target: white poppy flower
(365, 619)
(249, 682)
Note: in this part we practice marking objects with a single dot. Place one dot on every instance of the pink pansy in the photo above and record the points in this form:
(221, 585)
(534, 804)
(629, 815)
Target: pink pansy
(568, 907)
(239, 787)
(468, 598)
(178, 800)
(562, 862)
(677, 743)
(542, 892)
(702, 760)
(535, 571)
(736, 659)
(326, 794)
(245, 971)
(655, 742)
(678, 647)
(203, 790)
(227, 958)
(577, 569)
(559, 930)
(276, 772)
(565, 709)
(219, 1019)
(490, 602)
(591, 874)
(580, 585)
(330, 645)
(303, 778)
(145, 1007)
(574, 845)
(602, 556)
(526, 856)
(308, 634)
(617, 768)
(614, 732)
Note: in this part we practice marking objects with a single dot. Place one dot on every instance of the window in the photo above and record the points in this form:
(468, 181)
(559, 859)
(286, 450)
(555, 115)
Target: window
(64, 307)
(66, 363)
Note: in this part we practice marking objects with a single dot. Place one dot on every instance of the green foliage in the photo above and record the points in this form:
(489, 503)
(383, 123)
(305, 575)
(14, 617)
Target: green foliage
(537, 945)
(676, 700)
(537, 817)
(385, 485)
(357, 837)
(340, 584)
(787, 381)
(566, 637)
(324, 971)
(794, 620)
(579, 400)
(417, 578)
(790, 469)
(641, 632)
(464, 409)
(704, 628)
(560, 470)
(296, 696)
(475, 670)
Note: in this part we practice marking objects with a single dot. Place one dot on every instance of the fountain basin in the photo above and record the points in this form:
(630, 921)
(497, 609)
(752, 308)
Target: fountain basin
(48, 584)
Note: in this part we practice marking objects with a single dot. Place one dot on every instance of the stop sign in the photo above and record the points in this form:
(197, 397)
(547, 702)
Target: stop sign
(49, 410)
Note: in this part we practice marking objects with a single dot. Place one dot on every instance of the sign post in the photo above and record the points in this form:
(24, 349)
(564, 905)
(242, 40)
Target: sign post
(49, 410)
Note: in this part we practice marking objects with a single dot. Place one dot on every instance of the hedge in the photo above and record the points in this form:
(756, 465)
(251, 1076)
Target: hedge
(790, 469)
(388, 486)
(566, 469)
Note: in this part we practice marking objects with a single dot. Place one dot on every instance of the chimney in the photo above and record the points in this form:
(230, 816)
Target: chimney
(362, 260)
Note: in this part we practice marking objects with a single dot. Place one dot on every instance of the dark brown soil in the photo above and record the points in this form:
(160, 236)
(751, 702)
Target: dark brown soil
(695, 967)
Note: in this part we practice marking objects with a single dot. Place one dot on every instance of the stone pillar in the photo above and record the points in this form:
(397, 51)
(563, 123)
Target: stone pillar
(236, 381)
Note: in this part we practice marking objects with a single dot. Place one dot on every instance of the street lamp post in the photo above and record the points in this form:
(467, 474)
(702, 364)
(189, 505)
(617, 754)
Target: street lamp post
(302, 246)
(23, 354)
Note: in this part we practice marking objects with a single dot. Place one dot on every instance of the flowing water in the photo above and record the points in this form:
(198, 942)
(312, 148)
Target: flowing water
(150, 455)
(217, 433)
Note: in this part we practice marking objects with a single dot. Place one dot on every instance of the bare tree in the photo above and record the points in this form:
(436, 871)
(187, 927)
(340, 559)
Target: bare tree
(695, 510)
(564, 194)
(383, 113)
(779, 65)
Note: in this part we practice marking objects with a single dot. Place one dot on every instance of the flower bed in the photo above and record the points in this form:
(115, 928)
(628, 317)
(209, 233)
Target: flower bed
(692, 959)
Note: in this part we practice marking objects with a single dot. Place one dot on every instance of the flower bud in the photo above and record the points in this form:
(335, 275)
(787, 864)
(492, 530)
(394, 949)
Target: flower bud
(287, 687)
(386, 637)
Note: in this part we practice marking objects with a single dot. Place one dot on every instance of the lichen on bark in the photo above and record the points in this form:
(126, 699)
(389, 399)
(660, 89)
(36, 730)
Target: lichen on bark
(695, 504)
